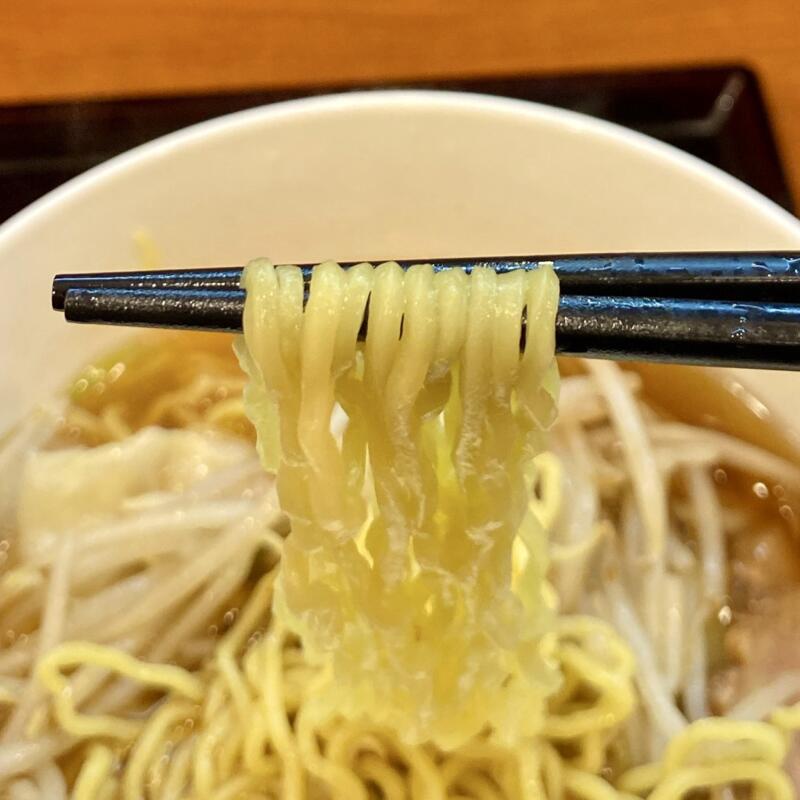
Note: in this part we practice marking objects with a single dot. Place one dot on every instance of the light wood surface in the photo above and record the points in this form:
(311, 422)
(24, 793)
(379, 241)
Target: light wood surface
(96, 48)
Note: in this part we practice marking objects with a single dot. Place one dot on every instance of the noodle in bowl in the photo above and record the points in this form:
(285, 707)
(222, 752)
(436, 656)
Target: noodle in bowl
(171, 612)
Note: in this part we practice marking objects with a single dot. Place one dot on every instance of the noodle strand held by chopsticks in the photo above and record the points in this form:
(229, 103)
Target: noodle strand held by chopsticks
(448, 413)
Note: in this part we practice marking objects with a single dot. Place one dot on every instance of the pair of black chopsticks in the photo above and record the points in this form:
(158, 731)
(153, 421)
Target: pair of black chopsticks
(722, 309)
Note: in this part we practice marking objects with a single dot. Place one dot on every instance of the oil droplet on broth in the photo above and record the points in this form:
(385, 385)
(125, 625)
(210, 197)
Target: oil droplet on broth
(230, 617)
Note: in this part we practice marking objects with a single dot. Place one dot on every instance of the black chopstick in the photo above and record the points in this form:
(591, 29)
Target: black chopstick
(720, 276)
(695, 331)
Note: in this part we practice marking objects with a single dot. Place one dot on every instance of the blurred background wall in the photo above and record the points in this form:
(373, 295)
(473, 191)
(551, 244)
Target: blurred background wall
(66, 49)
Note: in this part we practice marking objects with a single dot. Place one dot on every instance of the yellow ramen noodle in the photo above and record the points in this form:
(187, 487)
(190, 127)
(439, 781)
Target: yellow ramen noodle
(397, 573)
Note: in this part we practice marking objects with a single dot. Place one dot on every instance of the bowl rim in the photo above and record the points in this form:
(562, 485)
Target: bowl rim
(400, 99)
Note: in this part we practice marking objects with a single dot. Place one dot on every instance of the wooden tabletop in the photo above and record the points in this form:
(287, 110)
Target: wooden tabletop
(57, 49)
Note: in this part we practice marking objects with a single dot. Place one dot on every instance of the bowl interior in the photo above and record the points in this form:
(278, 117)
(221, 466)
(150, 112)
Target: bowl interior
(374, 176)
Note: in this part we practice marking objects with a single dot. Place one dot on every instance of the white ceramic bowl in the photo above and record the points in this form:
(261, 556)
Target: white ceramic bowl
(377, 175)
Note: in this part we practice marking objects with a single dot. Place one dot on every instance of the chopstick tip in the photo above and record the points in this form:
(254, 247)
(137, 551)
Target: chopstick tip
(58, 292)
